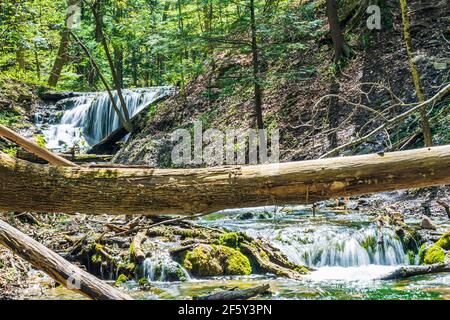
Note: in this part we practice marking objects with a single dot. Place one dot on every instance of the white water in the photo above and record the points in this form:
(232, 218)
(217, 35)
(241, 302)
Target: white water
(344, 247)
(161, 267)
(90, 117)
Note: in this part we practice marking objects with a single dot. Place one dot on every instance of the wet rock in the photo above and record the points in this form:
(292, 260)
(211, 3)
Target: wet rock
(216, 260)
(426, 223)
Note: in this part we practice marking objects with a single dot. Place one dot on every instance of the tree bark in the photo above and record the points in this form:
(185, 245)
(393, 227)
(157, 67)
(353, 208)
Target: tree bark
(415, 75)
(256, 69)
(335, 30)
(236, 294)
(62, 55)
(412, 271)
(56, 267)
(127, 124)
(148, 191)
(32, 147)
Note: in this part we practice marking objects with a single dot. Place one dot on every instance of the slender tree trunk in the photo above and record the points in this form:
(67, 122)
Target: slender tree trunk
(340, 48)
(63, 51)
(122, 120)
(124, 109)
(256, 69)
(26, 187)
(415, 75)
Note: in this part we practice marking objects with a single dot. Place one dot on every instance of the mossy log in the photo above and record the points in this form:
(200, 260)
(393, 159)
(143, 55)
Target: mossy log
(236, 294)
(32, 187)
(56, 267)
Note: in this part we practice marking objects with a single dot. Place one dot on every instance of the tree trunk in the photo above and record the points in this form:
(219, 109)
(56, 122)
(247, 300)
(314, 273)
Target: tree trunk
(149, 191)
(56, 267)
(335, 30)
(127, 124)
(236, 294)
(256, 69)
(415, 75)
(63, 50)
(412, 271)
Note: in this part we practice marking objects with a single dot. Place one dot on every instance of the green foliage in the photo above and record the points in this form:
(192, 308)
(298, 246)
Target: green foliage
(40, 140)
(121, 280)
(12, 152)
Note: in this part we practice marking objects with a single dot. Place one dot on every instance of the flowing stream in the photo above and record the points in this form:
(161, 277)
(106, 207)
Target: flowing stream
(347, 252)
(84, 120)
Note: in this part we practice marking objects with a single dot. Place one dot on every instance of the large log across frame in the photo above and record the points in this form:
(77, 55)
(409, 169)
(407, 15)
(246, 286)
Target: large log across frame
(117, 190)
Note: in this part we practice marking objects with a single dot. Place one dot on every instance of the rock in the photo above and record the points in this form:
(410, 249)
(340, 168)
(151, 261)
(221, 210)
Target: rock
(426, 223)
(216, 260)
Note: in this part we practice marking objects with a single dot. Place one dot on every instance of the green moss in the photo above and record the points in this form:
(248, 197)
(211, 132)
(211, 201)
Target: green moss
(301, 269)
(121, 279)
(421, 253)
(96, 258)
(216, 260)
(12, 152)
(40, 140)
(411, 256)
(369, 243)
(230, 239)
(434, 254)
(444, 242)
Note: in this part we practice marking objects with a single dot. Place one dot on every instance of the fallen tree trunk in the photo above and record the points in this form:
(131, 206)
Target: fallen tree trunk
(38, 188)
(32, 147)
(236, 294)
(56, 267)
(412, 271)
(75, 158)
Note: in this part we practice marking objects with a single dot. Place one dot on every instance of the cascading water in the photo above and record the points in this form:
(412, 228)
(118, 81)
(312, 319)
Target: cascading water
(88, 118)
(163, 268)
(339, 246)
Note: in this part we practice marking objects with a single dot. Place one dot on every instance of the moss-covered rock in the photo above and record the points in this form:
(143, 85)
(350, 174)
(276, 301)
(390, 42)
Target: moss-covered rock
(216, 260)
(435, 254)
(230, 239)
(444, 242)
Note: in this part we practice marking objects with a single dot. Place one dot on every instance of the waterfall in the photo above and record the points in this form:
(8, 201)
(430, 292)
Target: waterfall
(344, 248)
(163, 268)
(90, 117)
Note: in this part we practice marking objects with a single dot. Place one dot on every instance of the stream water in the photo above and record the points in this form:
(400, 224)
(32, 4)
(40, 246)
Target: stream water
(346, 250)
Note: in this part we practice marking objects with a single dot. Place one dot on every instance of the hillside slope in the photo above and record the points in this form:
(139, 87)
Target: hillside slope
(292, 86)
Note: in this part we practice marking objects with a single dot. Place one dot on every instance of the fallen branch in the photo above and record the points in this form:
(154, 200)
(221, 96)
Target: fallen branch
(441, 94)
(236, 294)
(56, 267)
(411, 271)
(34, 148)
(26, 187)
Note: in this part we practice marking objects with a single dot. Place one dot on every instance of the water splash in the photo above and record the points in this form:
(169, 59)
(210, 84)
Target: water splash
(344, 247)
(162, 268)
(90, 117)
